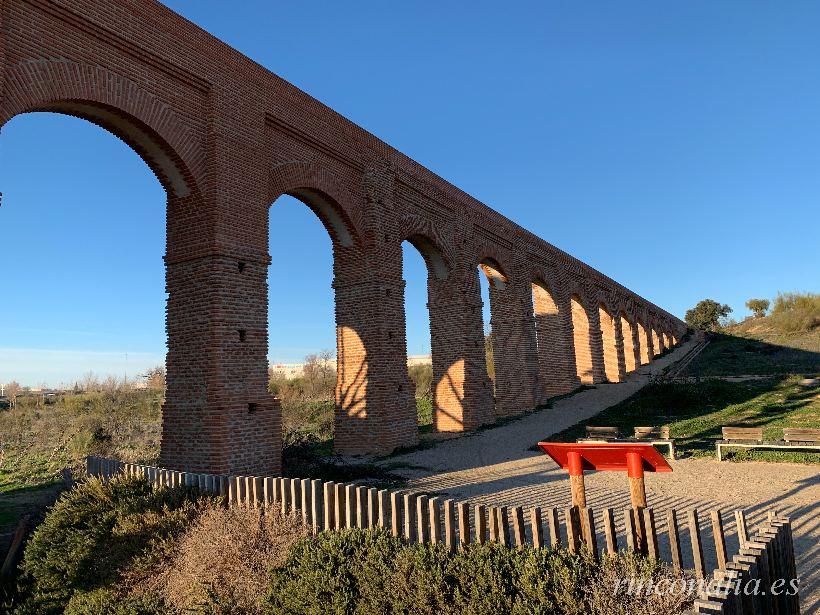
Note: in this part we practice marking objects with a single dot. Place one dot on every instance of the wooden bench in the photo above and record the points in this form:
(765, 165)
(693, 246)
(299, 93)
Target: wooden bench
(601, 433)
(657, 436)
(651, 435)
(752, 437)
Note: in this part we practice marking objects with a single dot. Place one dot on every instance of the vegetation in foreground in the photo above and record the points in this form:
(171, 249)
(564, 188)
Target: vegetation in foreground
(120, 547)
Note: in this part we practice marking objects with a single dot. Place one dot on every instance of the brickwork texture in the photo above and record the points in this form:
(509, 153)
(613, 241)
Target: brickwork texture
(226, 138)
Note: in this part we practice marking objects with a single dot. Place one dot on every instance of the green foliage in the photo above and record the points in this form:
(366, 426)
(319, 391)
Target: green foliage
(369, 571)
(706, 315)
(96, 531)
(758, 307)
(422, 377)
(796, 312)
(105, 601)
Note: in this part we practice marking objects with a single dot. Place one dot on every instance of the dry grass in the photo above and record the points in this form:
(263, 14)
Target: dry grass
(222, 562)
(668, 594)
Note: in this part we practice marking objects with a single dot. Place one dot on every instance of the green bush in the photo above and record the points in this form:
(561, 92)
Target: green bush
(94, 533)
(369, 571)
(796, 312)
(108, 602)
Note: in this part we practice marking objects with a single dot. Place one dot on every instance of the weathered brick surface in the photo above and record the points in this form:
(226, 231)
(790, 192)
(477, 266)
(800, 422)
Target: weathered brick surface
(225, 138)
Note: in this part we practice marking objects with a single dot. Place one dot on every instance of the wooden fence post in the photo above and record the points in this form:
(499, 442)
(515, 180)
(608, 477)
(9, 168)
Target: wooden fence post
(435, 520)
(555, 528)
(285, 493)
(651, 533)
(674, 540)
(495, 528)
(480, 524)
(316, 505)
(350, 506)
(588, 529)
(697, 547)
(409, 517)
(383, 512)
(609, 532)
(536, 527)
(361, 506)
(449, 525)
(395, 513)
(740, 523)
(720, 539)
(518, 527)
(329, 497)
(372, 507)
(464, 523)
(629, 525)
(422, 522)
(503, 526)
(338, 506)
(307, 511)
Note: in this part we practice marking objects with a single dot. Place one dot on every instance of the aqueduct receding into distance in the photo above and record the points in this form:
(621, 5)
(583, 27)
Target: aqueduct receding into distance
(226, 138)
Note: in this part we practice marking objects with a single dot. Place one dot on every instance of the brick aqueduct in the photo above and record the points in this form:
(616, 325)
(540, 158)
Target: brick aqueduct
(226, 137)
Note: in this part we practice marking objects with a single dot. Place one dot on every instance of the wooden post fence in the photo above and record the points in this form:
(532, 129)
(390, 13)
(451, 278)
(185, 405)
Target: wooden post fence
(766, 555)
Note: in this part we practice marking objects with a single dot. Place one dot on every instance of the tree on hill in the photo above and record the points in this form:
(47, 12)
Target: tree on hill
(759, 307)
(706, 315)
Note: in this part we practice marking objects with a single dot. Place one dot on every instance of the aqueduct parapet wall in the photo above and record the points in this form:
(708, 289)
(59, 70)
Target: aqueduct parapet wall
(226, 137)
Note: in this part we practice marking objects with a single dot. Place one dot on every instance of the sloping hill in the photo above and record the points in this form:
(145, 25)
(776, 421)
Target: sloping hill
(757, 347)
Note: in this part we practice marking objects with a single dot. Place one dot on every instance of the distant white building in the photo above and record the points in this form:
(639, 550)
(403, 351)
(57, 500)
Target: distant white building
(294, 370)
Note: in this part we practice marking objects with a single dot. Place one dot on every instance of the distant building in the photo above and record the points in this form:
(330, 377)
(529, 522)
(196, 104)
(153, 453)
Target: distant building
(294, 370)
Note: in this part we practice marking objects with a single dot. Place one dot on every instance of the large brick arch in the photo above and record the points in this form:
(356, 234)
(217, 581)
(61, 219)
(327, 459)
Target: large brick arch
(323, 193)
(115, 103)
(226, 137)
(433, 245)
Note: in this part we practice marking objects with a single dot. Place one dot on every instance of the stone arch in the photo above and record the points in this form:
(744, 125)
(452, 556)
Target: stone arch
(643, 342)
(447, 412)
(628, 334)
(423, 236)
(151, 128)
(582, 340)
(494, 272)
(322, 192)
(609, 342)
(656, 345)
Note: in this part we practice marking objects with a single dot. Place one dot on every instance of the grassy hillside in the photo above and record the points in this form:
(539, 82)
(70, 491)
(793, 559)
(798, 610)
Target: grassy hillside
(757, 347)
(713, 394)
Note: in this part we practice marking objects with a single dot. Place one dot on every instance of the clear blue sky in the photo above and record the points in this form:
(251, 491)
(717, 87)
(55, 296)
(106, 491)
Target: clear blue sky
(674, 146)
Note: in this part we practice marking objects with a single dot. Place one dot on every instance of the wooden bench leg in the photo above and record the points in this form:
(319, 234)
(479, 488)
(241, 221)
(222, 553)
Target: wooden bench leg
(717, 446)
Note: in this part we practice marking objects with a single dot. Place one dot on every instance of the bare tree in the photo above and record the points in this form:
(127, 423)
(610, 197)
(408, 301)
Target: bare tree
(110, 384)
(13, 389)
(155, 378)
(319, 374)
(91, 383)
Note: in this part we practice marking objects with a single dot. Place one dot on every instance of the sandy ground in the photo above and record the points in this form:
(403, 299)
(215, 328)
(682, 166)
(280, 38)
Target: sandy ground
(496, 467)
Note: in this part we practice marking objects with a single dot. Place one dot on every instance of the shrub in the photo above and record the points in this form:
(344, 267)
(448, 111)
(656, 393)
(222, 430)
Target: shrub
(105, 601)
(796, 312)
(95, 532)
(222, 562)
(369, 571)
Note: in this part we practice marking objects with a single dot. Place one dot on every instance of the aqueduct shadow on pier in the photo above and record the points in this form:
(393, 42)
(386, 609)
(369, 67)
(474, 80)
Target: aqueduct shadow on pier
(226, 138)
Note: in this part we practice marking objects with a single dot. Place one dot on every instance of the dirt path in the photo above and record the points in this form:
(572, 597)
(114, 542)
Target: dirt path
(495, 466)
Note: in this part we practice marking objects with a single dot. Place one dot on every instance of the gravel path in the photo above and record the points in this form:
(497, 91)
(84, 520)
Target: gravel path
(495, 467)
